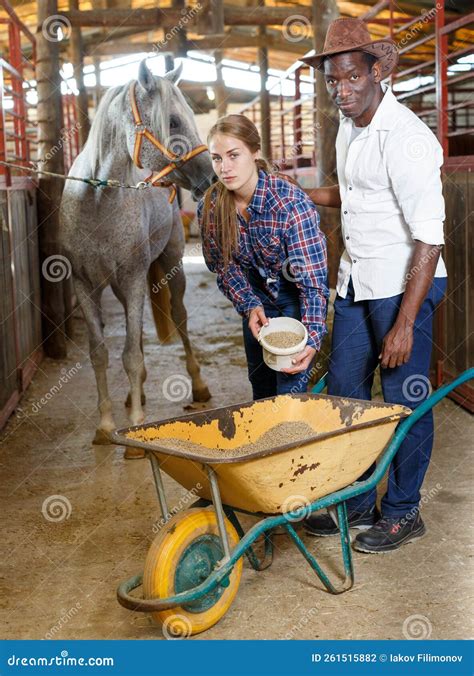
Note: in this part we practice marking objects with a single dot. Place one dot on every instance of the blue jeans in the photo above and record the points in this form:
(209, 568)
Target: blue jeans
(359, 329)
(266, 382)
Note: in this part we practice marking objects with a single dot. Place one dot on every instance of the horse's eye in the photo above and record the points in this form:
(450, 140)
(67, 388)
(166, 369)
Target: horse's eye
(174, 122)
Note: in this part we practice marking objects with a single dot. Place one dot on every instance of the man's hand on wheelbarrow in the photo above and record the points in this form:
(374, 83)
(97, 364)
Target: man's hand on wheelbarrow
(257, 320)
(301, 361)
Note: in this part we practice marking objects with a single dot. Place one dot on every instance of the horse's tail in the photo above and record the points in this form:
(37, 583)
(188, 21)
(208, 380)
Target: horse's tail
(160, 302)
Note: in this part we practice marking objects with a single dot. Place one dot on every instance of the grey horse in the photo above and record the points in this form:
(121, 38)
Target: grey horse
(123, 237)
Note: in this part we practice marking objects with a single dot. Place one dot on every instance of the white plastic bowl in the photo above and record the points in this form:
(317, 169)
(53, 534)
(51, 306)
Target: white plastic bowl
(278, 358)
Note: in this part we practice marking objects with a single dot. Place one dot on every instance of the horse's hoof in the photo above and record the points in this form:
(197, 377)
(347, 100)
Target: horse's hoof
(133, 453)
(137, 418)
(102, 438)
(201, 394)
(128, 400)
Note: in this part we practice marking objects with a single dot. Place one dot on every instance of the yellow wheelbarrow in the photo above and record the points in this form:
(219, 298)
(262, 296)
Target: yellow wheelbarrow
(193, 567)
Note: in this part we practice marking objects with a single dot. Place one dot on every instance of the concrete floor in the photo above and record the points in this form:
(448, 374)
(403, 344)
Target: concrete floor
(58, 577)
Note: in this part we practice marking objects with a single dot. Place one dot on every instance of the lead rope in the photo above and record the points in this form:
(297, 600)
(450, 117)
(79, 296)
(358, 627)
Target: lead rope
(94, 182)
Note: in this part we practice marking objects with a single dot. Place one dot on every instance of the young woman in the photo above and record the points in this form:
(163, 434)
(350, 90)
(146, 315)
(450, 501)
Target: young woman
(261, 236)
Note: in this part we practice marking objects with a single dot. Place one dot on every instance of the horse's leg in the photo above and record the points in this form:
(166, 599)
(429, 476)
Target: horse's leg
(133, 289)
(89, 300)
(122, 295)
(171, 262)
(128, 400)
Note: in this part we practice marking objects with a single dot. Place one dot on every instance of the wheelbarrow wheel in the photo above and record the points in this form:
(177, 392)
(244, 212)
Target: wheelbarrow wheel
(181, 557)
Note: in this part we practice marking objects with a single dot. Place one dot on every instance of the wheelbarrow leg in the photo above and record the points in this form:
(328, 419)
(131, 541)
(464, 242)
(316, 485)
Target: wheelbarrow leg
(346, 553)
(217, 502)
(250, 553)
(345, 543)
(160, 489)
(339, 514)
(221, 512)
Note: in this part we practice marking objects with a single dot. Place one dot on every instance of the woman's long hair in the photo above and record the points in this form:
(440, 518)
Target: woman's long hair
(224, 217)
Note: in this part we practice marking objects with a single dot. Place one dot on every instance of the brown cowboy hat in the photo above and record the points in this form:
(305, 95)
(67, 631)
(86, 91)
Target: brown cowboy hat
(349, 35)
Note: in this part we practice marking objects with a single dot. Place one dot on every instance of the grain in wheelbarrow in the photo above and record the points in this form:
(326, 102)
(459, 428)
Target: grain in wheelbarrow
(279, 435)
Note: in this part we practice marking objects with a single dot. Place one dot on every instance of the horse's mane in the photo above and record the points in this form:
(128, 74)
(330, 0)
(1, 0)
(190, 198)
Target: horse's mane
(108, 131)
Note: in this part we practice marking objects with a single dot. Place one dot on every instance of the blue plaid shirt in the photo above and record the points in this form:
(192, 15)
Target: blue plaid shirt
(282, 236)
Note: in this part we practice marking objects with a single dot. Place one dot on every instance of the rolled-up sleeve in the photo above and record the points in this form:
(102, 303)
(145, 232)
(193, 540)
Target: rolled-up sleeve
(414, 159)
(231, 280)
(307, 267)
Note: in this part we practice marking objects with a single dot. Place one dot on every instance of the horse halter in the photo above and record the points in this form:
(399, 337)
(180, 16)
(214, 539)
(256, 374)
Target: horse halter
(176, 161)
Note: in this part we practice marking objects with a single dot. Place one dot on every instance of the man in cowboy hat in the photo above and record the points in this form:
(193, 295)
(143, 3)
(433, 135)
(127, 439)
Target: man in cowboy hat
(391, 274)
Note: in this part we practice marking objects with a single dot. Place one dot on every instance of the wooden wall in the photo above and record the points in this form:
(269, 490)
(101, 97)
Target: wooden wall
(20, 302)
(453, 336)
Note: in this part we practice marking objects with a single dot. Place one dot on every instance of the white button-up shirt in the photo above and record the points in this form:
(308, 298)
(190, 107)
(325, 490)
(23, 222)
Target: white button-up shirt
(391, 194)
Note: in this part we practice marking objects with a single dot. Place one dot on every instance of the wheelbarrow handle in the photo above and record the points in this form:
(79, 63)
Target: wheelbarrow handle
(404, 427)
(154, 605)
(321, 384)
(423, 408)
(393, 445)
(434, 399)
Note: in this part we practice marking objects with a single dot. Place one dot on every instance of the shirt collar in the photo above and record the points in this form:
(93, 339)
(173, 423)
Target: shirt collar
(257, 203)
(386, 114)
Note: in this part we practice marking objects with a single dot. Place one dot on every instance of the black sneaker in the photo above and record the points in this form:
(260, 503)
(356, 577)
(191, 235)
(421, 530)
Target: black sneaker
(323, 525)
(390, 533)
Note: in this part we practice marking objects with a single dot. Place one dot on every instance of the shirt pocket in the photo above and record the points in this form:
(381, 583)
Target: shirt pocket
(268, 246)
(370, 173)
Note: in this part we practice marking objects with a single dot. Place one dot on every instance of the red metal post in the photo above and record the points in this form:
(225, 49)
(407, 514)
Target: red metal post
(17, 96)
(16, 86)
(12, 70)
(441, 79)
(441, 55)
(391, 28)
(4, 171)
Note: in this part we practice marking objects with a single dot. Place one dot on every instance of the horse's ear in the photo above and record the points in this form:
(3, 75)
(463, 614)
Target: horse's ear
(174, 75)
(145, 77)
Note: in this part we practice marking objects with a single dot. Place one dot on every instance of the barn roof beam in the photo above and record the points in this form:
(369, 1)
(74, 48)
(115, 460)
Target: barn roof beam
(153, 18)
(233, 16)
